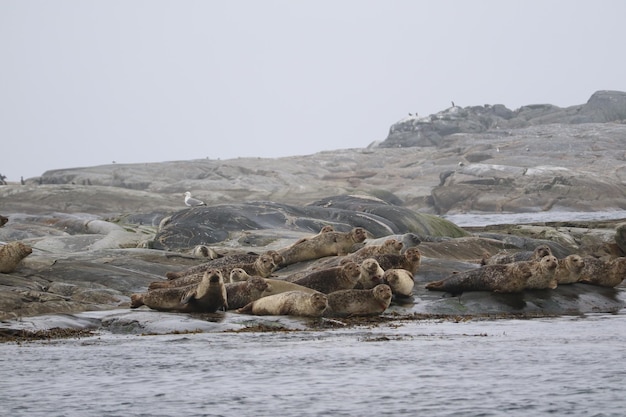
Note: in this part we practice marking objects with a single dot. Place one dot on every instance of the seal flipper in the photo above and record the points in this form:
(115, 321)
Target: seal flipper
(188, 296)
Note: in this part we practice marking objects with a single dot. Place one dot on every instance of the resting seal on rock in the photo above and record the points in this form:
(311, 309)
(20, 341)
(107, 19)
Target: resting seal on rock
(207, 296)
(371, 274)
(203, 251)
(12, 254)
(543, 276)
(322, 245)
(393, 246)
(240, 293)
(290, 303)
(508, 257)
(332, 279)
(400, 281)
(603, 273)
(357, 302)
(501, 278)
(569, 269)
(409, 260)
(263, 264)
(275, 286)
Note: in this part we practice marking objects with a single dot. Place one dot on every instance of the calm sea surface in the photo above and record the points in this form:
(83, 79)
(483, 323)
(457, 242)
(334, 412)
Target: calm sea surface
(559, 366)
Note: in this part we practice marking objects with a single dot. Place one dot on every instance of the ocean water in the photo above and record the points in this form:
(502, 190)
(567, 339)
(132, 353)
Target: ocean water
(558, 366)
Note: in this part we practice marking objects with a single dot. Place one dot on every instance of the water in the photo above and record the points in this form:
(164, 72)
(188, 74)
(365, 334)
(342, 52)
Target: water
(480, 220)
(559, 366)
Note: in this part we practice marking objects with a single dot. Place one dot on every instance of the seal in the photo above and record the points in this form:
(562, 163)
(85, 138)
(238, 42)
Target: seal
(505, 257)
(400, 281)
(603, 273)
(501, 278)
(207, 296)
(240, 293)
(392, 245)
(275, 286)
(569, 269)
(12, 254)
(371, 274)
(322, 245)
(543, 274)
(359, 302)
(203, 251)
(3, 220)
(264, 264)
(409, 260)
(290, 303)
(332, 279)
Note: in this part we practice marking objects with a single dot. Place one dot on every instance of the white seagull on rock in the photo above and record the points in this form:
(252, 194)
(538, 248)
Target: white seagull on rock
(192, 202)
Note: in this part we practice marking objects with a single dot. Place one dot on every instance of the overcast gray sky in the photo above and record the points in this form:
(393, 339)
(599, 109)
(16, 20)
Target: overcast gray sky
(90, 82)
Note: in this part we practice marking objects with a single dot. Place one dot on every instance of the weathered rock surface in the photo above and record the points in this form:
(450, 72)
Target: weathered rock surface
(101, 233)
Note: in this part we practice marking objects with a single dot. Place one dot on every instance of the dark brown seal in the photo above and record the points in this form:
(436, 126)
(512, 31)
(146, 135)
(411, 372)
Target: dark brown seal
(505, 257)
(243, 292)
(332, 279)
(290, 303)
(12, 254)
(322, 245)
(3, 220)
(355, 302)
(208, 296)
(603, 273)
(502, 278)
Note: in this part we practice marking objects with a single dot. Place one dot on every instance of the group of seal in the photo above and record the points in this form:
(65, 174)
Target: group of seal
(515, 272)
(356, 286)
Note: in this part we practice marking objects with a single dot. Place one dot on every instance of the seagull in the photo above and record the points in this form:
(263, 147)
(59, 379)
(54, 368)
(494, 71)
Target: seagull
(192, 202)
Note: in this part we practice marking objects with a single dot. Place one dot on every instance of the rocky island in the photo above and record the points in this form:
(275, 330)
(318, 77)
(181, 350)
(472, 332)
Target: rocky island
(99, 234)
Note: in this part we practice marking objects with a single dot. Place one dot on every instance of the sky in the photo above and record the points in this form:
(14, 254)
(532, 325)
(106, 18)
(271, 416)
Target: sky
(86, 83)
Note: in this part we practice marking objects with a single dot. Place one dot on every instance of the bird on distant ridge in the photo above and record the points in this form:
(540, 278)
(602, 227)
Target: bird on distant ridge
(192, 202)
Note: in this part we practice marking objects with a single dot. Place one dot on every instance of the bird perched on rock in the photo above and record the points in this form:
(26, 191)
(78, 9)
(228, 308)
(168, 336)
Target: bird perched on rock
(192, 202)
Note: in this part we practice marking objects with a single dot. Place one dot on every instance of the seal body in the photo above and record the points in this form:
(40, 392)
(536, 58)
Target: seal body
(207, 296)
(508, 257)
(290, 303)
(359, 302)
(264, 264)
(409, 260)
(400, 281)
(371, 274)
(12, 254)
(511, 277)
(569, 269)
(332, 279)
(240, 293)
(321, 245)
(391, 245)
(603, 273)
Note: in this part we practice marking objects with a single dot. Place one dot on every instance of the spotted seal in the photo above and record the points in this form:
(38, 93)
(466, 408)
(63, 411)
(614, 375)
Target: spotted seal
(275, 286)
(208, 296)
(391, 245)
(291, 303)
(359, 302)
(332, 279)
(322, 245)
(505, 257)
(409, 260)
(12, 254)
(569, 269)
(241, 293)
(501, 278)
(603, 273)
(226, 263)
